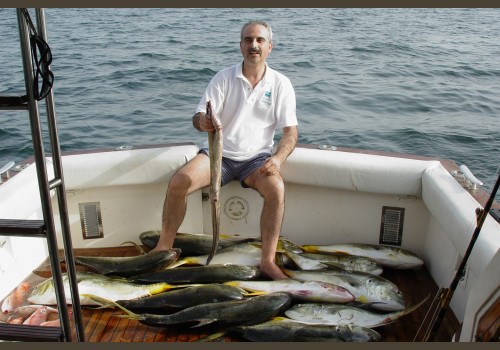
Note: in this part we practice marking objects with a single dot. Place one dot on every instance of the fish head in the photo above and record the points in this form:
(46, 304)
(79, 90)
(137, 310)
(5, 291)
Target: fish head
(359, 263)
(361, 334)
(42, 293)
(386, 296)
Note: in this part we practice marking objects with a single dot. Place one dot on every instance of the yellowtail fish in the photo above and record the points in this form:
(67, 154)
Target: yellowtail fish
(374, 291)
(175, 300)
(240, 254)
(200, 274)
(334, 314)
(215, 153)
(311, 261)
(237, 312)
(301, 290)
(126, 266)
(191, 244)
(96, 284)
(388, 256)
(281, 329)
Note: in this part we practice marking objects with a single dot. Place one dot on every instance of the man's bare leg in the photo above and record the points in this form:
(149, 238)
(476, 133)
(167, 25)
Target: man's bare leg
(272, 189)
(191, 177)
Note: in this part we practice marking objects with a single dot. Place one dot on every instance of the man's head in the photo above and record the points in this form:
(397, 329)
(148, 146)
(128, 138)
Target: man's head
(256, 41)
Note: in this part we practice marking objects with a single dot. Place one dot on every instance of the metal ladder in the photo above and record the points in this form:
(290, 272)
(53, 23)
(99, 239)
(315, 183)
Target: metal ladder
(46, 227)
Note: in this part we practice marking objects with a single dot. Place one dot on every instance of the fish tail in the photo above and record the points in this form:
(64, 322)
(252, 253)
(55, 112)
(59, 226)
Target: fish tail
(163, 287)
(310, 248)
(104, 301)
(232, 283)
(211, 337)
(392, 317)
(138, 247)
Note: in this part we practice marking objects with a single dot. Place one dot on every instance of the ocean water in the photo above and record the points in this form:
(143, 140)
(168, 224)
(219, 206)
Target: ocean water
(416, 81)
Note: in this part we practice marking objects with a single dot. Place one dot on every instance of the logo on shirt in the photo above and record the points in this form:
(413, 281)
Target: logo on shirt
(267, 97)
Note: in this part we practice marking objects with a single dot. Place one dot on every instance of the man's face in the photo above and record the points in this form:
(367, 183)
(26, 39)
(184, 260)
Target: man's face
(255, 45)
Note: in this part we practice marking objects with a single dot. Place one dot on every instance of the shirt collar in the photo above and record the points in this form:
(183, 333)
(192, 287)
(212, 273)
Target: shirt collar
(239, 72)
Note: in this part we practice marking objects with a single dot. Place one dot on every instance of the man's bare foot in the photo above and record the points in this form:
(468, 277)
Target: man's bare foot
(158, 248)
(272, 271)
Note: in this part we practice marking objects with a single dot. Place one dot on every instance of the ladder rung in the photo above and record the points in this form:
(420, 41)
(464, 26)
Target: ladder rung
(21, 332)
(29, 228)
(13, 102)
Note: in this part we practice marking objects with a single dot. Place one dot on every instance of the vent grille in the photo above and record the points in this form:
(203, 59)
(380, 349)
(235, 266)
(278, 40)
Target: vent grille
(391, 228)
(90, 217)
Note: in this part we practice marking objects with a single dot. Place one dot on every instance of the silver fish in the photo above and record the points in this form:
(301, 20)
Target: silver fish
(281, 329)
(215, 153)
(393, 257)
(334, 314)
(377, 292)
(310, 261)
(96, 284)
(301, 290)
(240, 254)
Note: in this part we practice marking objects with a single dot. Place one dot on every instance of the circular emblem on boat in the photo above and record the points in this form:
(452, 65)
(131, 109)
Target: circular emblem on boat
(327, 147)
(124, 148)
(236, 208)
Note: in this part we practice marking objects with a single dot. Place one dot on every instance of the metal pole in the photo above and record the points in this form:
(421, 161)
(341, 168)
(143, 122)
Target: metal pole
(61, 193)
(41, 170)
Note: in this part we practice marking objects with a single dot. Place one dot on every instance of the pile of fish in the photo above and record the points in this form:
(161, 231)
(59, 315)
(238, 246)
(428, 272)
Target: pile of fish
(334, 293)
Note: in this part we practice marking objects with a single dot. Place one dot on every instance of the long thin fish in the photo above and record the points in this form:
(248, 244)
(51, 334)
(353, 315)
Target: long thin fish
(215, 154)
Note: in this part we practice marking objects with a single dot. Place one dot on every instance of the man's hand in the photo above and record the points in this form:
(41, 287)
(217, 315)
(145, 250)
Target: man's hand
(271, 166)
(202, 123)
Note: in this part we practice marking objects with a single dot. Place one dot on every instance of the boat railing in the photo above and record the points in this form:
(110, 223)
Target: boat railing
(43, 228)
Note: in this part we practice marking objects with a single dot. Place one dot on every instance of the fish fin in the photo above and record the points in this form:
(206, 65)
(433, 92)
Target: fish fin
(204, 322)
(254, 293)
(231, 283)
(363, 299)
(107, 301)
(178, 263)
(256, 245)
(279, 318)
(332, 265)
(138, 247)
(163, 287)
(211, 337)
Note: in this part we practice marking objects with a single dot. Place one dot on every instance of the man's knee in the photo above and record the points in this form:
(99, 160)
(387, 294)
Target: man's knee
(179, 183)
(272, 187)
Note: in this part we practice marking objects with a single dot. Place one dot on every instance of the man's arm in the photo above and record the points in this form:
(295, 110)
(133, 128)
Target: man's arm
(285, 147)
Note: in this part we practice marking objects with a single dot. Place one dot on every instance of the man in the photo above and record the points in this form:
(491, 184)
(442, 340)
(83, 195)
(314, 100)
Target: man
(251, 100)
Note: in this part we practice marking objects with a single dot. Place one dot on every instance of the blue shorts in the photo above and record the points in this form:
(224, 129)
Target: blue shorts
(232, 169)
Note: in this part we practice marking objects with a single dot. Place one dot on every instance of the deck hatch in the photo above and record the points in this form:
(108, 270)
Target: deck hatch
(391, 227)
(90, 217)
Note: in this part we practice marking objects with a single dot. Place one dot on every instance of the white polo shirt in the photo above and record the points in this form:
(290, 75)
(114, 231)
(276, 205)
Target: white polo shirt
(250, 116)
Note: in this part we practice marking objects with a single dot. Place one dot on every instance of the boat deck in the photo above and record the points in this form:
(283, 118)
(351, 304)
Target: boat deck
(101, 326)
